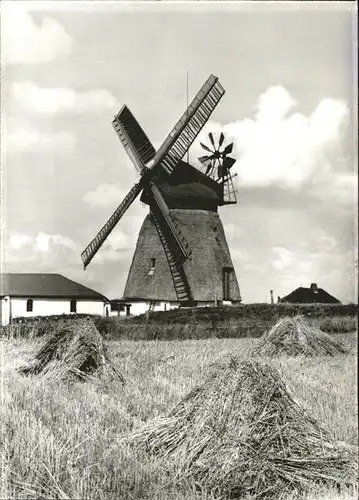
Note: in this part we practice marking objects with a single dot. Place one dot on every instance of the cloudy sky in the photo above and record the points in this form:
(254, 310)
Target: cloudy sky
(288, 74)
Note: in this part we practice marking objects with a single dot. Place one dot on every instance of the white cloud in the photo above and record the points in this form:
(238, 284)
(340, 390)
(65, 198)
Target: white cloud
(41, 252)
(284, 148)
(44, 242)
(19, 240)
(119, 240)
(105, 195)
(273, 105)
(26, 42)
(57, 100)
(284, 258)
(28, 139)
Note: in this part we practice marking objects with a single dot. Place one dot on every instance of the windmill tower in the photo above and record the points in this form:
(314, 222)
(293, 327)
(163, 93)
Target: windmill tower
(181, 256)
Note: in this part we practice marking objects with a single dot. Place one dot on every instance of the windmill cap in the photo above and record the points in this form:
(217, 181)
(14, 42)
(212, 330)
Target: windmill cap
(313, 286)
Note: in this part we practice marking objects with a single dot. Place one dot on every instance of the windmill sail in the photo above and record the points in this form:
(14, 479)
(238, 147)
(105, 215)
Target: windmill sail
(189, 125)
(136, 143)
(91, 250)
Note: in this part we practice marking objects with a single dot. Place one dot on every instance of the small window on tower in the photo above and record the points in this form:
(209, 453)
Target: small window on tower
(152, 268)
(29, 305)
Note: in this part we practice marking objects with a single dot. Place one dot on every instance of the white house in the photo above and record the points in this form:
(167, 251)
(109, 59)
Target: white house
(123, 307)
(27, 295)
(135, 307)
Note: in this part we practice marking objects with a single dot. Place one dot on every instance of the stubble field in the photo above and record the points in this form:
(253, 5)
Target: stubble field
(66, 440)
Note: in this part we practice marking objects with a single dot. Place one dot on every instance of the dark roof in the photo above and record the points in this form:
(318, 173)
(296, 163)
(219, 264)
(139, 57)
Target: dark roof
(187, 187)
(122, 301)
(191, 195)
(44, 285)
(312, 295)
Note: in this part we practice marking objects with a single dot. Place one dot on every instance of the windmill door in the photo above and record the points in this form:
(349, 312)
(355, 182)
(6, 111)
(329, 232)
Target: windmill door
(227, 277)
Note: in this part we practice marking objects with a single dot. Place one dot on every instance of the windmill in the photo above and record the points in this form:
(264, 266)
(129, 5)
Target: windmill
(181, 255)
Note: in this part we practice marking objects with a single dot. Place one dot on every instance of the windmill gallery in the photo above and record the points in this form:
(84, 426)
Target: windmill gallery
(181, 257)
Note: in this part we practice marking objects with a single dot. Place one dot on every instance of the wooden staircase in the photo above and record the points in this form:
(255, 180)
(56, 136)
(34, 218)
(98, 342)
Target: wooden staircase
(179, 278)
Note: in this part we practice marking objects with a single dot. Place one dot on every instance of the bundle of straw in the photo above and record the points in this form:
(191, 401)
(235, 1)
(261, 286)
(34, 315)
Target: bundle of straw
(242, 433)
(293, 336)
(75, 350)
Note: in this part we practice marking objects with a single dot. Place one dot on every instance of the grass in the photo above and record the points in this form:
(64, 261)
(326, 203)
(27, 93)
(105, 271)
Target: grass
(209, 325)
(66, 440)
(261, 312)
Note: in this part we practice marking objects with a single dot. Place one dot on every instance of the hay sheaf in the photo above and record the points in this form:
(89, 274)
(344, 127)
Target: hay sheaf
(242, 433)
(75, 350)
(293, 337)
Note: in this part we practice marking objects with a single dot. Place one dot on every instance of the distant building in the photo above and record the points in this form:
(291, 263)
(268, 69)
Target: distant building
(36, 294)
(118, 307)
(134, 307)
(311, 295)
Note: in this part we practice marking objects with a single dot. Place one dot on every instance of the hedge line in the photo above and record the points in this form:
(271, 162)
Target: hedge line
(264, 312)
